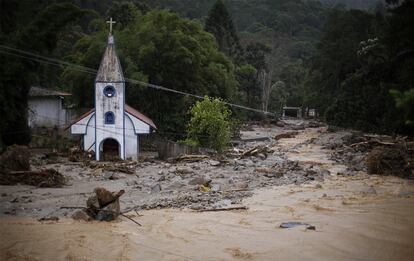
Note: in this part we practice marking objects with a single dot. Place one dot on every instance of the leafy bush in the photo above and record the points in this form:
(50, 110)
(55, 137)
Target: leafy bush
(405, 102)
(210, 124)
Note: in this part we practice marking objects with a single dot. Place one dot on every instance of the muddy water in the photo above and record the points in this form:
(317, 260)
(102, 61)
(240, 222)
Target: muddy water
(356, 218)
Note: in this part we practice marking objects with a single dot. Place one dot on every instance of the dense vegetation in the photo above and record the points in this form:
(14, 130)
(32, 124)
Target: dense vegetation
(362, 59)
(355, 66)
(210, 124)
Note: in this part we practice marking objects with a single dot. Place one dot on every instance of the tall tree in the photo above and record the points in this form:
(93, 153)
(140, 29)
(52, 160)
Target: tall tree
(220, 24)
(39, 35)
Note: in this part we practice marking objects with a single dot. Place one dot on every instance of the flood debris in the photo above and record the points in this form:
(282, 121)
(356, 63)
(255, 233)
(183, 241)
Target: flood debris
(286, 135)
(77, 154)
(389, 161)
(293, 224)
(257, 151)
(46, 178)
(104, 205)
(191, 158)
(127, 167)
(15, 158)
(51, 218)
(222, 209)
(375, 154)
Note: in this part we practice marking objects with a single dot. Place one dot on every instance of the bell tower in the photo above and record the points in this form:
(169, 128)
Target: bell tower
(110, 101)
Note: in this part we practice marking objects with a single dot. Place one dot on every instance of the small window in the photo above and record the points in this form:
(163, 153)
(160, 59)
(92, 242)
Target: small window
(109, 118)
(109, 91)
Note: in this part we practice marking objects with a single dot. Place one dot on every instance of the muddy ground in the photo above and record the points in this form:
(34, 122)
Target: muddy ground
(306, 178)
(160, 184)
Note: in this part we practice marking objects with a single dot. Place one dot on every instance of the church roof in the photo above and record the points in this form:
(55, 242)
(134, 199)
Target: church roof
(36, 91)
(139, 116)
(110, 69)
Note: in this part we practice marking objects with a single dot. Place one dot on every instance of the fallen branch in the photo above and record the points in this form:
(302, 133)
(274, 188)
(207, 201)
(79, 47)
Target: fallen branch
(371, 142)
(286, 135)
(122, 214)
(125, 216)
(256, 150)
(223, 209)
(191, 158)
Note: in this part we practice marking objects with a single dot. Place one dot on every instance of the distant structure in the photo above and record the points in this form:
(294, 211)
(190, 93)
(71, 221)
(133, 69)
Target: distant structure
(46, 108)
(112, 127)
(311, 113)
(295, 112)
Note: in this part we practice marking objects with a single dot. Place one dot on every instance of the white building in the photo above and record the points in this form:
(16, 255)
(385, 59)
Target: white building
(46, 108)
(112, 125)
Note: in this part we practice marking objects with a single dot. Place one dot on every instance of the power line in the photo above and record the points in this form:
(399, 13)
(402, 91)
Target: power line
(71, 66)
(103, 128)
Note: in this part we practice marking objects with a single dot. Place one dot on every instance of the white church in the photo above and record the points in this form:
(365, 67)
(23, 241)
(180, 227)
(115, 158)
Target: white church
(112, 126)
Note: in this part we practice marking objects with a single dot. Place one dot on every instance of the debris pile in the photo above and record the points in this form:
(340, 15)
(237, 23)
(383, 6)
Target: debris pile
(260, 151)
(190, 158)
(127, 167)
(47, 178)
(78, 155)
(16, 157)
(388, 161)
(286, 135)
(376, 154)
(103, 205)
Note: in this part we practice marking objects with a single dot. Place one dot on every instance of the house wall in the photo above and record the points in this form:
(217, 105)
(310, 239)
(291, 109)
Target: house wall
(46, 112)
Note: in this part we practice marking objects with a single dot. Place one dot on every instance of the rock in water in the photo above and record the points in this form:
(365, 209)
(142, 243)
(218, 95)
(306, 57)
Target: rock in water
(295, 224)
(81, 215)
(156, 188)
(104, 205)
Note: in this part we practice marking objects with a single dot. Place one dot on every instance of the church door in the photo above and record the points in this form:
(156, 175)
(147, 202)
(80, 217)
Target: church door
(110, 150)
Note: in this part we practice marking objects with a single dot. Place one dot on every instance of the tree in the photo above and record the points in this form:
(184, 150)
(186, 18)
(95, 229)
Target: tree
(220, 24)
(38, 35)
(405, 101)
(210, 124)
(363, 58)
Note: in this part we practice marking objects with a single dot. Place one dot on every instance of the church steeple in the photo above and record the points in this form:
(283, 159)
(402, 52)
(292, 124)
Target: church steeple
(110, 69)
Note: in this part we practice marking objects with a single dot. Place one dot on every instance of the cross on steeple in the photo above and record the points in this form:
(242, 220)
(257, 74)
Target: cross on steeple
(110, 22)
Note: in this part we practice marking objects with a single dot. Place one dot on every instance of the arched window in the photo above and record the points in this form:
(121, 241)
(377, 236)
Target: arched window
(109, 91)
(109, 118)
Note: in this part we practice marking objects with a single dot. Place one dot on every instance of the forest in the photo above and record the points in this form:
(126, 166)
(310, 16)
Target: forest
(353, 61)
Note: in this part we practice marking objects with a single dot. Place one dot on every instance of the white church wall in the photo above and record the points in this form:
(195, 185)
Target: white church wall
(89, 137)
(113, 104)
(131, 140)
(80, 126)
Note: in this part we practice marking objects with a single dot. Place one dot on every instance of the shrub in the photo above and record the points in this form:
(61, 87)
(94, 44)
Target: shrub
(210, 124)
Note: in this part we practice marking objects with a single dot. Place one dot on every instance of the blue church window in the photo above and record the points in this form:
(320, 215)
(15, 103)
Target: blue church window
(109, 118)
(109, 91)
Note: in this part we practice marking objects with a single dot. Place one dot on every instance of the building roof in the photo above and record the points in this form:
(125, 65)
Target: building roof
(140, 116)
(36, 91)
(110, 69)
(128, 109)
